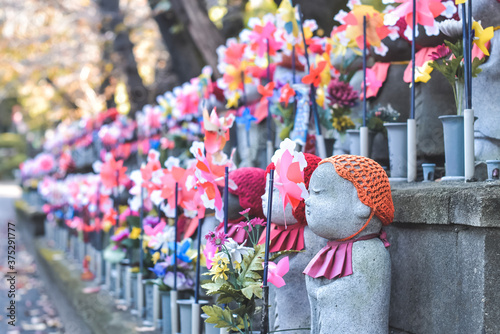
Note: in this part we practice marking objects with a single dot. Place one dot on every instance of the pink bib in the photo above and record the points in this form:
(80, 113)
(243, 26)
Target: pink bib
(335, 259)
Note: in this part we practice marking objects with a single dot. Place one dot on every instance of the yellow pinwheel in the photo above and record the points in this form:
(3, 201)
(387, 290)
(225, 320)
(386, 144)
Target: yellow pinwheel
(482, 36)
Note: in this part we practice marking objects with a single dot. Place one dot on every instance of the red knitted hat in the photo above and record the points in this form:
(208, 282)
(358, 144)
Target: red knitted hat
(312, 162)
(370, 181)
(251, 182)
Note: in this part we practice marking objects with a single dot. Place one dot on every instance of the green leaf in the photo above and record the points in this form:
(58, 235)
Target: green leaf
(213, 287)
(252, 262)
(222, 318)
(253, 289)
(276, 255)
(133, 221)
(113, 255)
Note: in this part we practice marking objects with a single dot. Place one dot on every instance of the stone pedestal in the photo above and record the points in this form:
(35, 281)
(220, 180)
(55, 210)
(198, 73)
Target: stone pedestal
(445, 262)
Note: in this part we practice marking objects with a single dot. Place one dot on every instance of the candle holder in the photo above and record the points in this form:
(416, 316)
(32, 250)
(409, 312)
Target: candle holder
(428, 170)
(493, 170)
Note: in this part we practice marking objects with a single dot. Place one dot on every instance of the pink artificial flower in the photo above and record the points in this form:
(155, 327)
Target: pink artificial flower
(244, 212)
(46, 162)
(210, 235)
(277, 271)
(218, 239)
(120, 236)
(257, 221)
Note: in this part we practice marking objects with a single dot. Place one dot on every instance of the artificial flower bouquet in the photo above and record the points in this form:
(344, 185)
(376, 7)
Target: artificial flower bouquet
(159, 241)
(448, 58)
(379, 115)
(164, 267)
(236, 275)
(342, 97)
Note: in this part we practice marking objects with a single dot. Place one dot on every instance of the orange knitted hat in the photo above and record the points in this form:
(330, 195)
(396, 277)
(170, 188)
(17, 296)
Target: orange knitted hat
(371, 182)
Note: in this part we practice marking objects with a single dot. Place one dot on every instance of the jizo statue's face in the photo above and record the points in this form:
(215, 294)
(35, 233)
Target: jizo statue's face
(278, 217)
(333, 209)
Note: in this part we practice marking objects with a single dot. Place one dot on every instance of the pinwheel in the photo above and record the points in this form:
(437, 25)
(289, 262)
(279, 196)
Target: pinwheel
(289, 179)
(427, 12)
(286, 14)
(113, 173)
(209, 175)
(216, 130)
(352, 27)
(152, 231)
(246, 118)
(182, 251)
(262, 39)
(314, 77)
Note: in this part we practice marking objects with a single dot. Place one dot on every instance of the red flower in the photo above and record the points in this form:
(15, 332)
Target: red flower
(286, 93)
(440, 52)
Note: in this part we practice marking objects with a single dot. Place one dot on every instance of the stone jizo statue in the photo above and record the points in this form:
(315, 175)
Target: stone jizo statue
(349, 280)
(289, 231)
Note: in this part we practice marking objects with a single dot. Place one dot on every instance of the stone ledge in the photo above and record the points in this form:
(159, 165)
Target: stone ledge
(98, 310)
(445, 203)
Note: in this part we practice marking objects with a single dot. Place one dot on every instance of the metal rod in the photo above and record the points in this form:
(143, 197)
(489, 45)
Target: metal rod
(176, 220)
(364, 71)
(414, 36)
(226, 199)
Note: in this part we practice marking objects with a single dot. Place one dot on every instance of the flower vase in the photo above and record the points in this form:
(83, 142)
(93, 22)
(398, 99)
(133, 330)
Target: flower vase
(166, 312)
(209, 328)
(148, 302)
(397, 135)
(354, 140)
(185, 311)
(133, 290)
(453, 133)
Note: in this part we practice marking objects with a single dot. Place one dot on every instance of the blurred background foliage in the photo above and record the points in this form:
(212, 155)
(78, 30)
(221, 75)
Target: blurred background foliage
(62, 59)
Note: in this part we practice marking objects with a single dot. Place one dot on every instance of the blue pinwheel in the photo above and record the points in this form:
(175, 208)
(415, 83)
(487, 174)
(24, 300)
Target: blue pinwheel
(182, 250)
(246, 118)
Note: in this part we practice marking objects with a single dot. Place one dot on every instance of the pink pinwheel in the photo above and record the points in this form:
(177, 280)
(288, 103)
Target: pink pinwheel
(373, 84)
(168, 180)
(289, 179)
(216, 130)
(427, 11)
(113, 173)
(261, 36)
(277, 271)
(152, 231)
(209, 176)
(234, 53)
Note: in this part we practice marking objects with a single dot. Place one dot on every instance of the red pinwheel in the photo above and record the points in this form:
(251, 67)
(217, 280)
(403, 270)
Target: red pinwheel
(266, 91)
(314, 76)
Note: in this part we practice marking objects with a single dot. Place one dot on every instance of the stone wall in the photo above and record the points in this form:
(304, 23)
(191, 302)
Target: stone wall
(445, 252)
